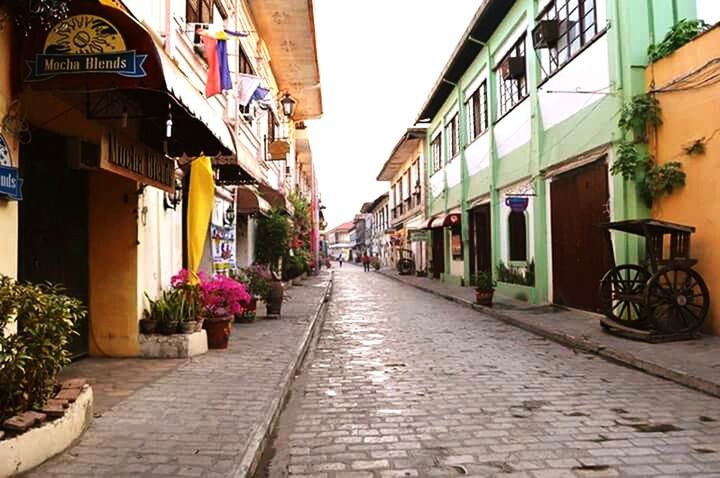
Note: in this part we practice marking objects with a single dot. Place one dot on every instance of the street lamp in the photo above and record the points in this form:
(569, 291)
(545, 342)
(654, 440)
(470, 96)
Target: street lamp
(417, 189)
(288, 105)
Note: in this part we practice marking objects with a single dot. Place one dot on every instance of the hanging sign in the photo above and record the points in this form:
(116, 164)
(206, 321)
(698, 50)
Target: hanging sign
(135, 161)
(223, 248)
(517, 204)
(10, 181)
(85, 44)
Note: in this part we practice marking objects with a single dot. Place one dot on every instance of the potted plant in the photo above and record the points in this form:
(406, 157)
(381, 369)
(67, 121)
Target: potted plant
(484, 288)
(273, 241)
(221, 298)
(191, 292)
(148, 324)
(256, 279)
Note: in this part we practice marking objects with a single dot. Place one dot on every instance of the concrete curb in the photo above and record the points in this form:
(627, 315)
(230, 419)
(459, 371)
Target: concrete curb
(625, 358)
(260, 437)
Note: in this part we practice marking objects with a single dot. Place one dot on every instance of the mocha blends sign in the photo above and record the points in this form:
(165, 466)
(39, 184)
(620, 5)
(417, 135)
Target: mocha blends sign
(85, 44)
(138, 163)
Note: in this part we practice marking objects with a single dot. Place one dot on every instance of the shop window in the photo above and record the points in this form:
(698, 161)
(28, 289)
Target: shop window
(577, 26)
(436, 153)
(477, 109)
(517, 232)
(514, 89)
(456, 242)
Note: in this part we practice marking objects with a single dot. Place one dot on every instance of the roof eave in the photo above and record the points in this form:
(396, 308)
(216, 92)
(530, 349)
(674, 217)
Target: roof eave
(387, 172)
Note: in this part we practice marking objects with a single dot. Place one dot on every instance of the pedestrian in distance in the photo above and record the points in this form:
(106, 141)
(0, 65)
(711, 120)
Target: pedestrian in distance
(366, 262)
(340, 260)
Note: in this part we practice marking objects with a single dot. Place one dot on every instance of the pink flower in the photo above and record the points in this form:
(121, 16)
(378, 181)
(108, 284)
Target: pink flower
(221, 295)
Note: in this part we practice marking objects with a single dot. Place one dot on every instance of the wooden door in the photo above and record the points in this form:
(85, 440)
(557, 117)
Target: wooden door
(579, 254)
(480, 237)
(438, 252)
(53, 225)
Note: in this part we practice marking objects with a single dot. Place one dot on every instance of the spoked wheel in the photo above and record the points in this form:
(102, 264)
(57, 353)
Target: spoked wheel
(621, 294)
(405, 266)
(678, 300)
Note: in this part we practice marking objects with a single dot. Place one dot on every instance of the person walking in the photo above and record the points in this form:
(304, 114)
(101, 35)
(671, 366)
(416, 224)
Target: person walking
(340, 260)
(366, 262)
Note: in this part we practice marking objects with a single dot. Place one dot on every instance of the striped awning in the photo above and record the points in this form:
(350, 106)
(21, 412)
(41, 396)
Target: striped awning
(443, 220)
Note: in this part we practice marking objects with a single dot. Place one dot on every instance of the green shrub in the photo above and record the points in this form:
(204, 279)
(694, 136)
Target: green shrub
(273, 239)
(517, 275)
(31, 359)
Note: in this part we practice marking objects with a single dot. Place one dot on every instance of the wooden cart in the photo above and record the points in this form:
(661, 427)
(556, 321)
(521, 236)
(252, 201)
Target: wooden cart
(406, 262)
(662, 299)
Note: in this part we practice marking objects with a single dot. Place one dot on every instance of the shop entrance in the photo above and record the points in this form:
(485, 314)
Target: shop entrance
(438, 252)
(480, 251)
(53, 223)
(579, 256)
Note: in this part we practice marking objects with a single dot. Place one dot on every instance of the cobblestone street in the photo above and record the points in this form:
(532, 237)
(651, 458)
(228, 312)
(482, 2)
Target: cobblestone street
(403, 383)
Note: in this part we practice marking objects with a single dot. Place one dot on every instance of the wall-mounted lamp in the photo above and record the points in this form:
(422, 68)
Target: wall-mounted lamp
(417, 189)
(168, 126)
(288, 105)
(229, 218)
(172, 200)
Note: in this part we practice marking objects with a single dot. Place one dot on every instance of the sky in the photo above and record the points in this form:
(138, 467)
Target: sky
(379, 60)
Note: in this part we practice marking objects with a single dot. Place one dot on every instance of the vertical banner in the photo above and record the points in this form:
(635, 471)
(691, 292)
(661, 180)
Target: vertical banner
(200, 205)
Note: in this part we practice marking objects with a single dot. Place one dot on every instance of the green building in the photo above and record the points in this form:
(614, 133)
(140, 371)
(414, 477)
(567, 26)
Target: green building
(522, 134)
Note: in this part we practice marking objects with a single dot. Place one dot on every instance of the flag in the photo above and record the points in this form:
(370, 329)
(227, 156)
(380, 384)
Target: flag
(200, 205)
(260, 93)
(218, 67)
(236, 34)
(247, 85)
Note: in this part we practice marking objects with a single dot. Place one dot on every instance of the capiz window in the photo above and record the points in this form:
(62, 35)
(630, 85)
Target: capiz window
(513, 90)
(517, 232)
(577, 26)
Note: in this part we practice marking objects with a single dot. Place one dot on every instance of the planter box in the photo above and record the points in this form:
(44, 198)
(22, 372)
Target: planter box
(517, 292)
(37, 445)
(173, 346)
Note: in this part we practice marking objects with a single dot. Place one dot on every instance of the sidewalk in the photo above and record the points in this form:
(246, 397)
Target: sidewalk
(208, 416)
(695, 364)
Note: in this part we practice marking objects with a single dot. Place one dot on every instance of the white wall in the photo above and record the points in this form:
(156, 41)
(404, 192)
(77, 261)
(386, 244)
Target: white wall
(477, 154)
(453, 172)
(437, 183)
(589, 71)
(513, 131)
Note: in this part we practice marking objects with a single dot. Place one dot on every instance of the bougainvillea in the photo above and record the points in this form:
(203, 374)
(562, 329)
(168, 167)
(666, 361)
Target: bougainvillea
(221, 295)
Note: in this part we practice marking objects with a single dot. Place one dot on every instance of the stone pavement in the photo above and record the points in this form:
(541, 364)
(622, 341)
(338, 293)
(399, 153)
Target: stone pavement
(403, 384)
(209, 416)
(693, 363)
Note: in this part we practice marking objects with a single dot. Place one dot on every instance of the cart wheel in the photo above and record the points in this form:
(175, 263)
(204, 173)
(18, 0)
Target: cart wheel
(678, 300)
(405, 266)
(616, 290)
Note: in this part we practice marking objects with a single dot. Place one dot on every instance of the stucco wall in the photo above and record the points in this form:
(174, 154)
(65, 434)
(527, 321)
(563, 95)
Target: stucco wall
(687, 116)
(113, 254)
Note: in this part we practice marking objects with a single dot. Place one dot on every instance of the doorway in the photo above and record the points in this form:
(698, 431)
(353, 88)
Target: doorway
(53, 223)
(480, 240)
(438, 252)
(579, 203)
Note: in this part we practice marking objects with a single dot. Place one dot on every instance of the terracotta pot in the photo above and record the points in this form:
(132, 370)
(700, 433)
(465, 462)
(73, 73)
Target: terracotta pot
(148, 326)
(199, 324)
(275, 299)
(484, 297)
(218, 331)
(248, 314)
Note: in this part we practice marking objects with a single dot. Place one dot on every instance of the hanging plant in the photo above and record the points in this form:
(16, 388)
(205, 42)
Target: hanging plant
(628, 161)
(28, 13)
(640, 114)
(680, 34)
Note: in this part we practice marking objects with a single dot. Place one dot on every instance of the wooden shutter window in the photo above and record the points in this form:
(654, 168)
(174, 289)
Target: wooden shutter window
(192, 11)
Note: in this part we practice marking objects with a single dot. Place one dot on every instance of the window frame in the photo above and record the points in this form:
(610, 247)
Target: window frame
(452, 134)
(436, 153)
(512, 92)
(552, 12)
(201, 11)
(477, 105)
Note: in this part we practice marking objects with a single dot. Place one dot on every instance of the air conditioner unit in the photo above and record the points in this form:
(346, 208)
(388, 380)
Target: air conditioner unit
(546, 34)
(82, 154)
(513, 68)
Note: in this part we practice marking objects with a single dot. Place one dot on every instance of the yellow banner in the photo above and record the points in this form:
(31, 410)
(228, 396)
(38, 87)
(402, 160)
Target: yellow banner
(200, 205)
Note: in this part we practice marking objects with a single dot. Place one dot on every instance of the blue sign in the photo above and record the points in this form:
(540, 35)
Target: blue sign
(10, 183)
(126, 63)
(517, 204)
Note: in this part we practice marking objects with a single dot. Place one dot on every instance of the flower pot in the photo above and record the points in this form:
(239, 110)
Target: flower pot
(148, 326)
(168, 327)
(484, 297)
(199, 324)
(218, 331)
(275, 299)
(188, 327)
(248, 314)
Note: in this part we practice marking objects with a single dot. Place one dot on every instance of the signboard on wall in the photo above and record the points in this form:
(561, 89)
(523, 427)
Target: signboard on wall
(137, 162)
(457, 245)
(223, 248)
(10, 181)
(83, 44)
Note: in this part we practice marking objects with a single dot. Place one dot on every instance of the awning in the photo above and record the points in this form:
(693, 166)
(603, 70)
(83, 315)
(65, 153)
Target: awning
(274, 197)
(247, 201)
(443, 220)
(110, 66)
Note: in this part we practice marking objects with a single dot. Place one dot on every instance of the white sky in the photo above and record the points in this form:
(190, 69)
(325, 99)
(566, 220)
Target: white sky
(378, 62)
